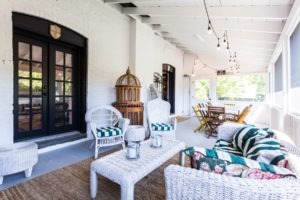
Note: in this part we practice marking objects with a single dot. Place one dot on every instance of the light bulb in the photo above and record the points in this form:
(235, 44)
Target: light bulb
(193, 74)
(224, 42)
(209, 28)
(227, 48)
(218, 45)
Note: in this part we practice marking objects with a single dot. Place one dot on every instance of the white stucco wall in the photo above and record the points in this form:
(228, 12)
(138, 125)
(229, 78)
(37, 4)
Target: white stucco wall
(151, 53)
(109, 49)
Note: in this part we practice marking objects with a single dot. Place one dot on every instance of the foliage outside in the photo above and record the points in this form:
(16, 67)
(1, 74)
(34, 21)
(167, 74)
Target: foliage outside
(202, 89)
(250, 87)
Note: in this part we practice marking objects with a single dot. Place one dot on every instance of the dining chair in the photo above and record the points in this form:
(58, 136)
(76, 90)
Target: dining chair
(240, 117)
(216, 117)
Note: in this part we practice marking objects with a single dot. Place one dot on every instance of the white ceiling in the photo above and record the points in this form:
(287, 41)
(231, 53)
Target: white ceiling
(253, 27)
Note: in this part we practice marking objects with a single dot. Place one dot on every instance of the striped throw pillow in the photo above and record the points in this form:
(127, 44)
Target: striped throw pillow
(162, 127)
(268, 150)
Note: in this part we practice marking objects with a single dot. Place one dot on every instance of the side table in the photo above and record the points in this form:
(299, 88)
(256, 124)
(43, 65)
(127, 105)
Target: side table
(135, 133)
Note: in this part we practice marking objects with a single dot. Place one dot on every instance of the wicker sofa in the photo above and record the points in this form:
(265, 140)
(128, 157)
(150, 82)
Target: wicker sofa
(187, 183)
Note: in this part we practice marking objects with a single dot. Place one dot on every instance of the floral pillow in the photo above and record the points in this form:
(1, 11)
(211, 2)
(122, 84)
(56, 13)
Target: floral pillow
(202, 162)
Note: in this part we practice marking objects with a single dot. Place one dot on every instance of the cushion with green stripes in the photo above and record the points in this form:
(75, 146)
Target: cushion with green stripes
(223, 145)
(245, 138)
(162, 127)
(109, 131)
(236, 163)
(268, 150)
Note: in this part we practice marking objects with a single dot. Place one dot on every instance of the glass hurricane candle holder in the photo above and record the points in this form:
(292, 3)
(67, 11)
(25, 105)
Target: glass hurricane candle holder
(156, 141)
(133, 151)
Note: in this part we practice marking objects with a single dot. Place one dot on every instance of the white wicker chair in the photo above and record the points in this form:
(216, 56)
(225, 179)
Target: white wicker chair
(154, 93)
(187, 183)
(105, 116)
(158, 111)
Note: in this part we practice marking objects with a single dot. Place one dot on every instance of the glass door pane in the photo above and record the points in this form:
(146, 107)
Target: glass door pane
(30, 100)
(62, 94)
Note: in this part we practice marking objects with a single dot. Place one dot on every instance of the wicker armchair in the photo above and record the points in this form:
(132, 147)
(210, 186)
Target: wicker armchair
(158, 111)
(187, 183)
(104, 117)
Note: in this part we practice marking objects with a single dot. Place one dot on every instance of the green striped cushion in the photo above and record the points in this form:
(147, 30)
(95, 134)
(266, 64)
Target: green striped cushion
(109, 131)
(245, 138)
(162, 127)
(268, 150)
(223, 145)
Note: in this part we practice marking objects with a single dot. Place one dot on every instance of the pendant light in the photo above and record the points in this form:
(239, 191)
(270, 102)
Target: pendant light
(209, 29)
(218, 45)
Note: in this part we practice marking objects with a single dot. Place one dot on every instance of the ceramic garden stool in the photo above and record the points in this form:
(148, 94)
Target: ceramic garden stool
(135, 133)
(18, 157)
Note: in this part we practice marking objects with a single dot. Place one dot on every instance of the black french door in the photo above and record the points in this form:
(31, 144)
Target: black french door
(45, 82)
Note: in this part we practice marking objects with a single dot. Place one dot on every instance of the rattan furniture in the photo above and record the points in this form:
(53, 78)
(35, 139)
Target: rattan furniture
(158, 111)
(135, 133)
(18, 157)
(126, 172)
(187, 183)
(102, 117)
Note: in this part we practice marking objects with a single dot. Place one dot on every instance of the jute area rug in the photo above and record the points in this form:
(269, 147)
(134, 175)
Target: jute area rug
(182, 118)
(72, 182)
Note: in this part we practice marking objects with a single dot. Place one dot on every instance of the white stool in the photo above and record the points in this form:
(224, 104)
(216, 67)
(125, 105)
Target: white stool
(18, 157)
(135, 133)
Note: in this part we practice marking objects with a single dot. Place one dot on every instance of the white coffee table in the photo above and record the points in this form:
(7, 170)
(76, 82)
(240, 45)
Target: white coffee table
(126, 173)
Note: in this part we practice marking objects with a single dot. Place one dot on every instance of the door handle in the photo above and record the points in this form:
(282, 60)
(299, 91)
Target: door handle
(45, 90)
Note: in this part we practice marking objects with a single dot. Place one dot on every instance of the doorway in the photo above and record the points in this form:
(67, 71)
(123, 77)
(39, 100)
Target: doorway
(168, 85)
(49, 86)
(201, 91)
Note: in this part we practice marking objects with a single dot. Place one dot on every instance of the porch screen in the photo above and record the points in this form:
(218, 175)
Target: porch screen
(295, 58)
(250, 87)
(294, 95)
(278, 75)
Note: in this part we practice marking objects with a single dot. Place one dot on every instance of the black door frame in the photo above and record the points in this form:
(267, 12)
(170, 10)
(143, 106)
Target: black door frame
(38, 29)
(39, 132)
(52, 129)
(168, 85)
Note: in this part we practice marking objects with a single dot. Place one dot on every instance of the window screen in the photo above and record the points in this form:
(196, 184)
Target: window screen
(295, 57)
(278, 75)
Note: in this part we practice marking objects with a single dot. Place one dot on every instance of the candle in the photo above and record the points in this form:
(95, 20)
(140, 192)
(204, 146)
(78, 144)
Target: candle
(158, 141)
(154, 141)
(131, 152)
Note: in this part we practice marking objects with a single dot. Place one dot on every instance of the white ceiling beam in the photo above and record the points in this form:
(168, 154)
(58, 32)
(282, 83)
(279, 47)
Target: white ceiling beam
(233, 44)
(251, 12)
(206, 38)
(138, 1)
(232, 35)
(253, 26)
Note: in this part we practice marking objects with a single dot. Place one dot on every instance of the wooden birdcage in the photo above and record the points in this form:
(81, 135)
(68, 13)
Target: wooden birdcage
(128, 102)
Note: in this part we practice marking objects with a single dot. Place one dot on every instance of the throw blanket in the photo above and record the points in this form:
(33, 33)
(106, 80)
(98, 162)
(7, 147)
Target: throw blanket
(221, 155)
(259, 144)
